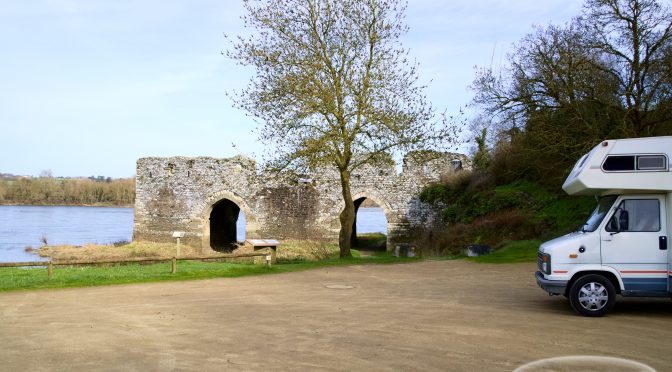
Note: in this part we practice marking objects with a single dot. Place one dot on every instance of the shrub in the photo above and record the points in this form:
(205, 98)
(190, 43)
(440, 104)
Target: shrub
(493, 215)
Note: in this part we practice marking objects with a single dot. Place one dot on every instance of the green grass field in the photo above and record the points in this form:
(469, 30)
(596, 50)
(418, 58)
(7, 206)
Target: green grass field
(518, 251)
(84, 276)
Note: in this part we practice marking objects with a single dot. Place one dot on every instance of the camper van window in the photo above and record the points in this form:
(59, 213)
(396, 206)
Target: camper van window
(598, 214)
(636, 215)
(617, 163)
(652, 162)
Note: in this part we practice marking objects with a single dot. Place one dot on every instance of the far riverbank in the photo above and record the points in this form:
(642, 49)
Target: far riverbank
(48, 191)
(42, 204)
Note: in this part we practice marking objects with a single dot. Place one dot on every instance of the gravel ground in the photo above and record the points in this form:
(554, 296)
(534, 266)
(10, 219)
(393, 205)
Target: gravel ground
(430, 315)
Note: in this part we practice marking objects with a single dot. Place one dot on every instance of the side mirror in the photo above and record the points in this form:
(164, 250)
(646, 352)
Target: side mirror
(623, 221)
(620, 221)
(614, 226)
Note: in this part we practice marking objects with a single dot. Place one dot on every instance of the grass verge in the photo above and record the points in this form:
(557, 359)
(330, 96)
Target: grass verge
(289, 250)
(518, 251)
(85, 276)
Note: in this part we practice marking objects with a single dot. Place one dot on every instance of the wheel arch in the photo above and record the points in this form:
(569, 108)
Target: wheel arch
(612, 276)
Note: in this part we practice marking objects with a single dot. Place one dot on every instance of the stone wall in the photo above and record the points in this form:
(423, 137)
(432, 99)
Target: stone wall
(179, 194)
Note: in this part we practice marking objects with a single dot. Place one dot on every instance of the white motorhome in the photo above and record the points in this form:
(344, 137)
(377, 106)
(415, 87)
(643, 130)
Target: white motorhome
(623, 246)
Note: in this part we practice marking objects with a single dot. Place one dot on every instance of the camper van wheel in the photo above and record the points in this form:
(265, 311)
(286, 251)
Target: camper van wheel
(592, 295)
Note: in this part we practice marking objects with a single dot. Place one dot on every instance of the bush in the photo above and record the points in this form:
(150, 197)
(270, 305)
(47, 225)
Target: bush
(493, 215)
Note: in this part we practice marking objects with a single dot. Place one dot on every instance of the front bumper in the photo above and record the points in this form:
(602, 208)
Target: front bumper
(551, 286)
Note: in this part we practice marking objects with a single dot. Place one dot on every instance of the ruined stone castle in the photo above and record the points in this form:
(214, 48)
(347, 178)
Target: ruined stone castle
(204, 197)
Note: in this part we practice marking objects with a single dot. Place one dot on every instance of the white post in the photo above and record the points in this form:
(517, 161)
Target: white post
(178, 235)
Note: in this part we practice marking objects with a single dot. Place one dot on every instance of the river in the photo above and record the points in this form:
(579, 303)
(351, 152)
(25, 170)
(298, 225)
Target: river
(25, 226)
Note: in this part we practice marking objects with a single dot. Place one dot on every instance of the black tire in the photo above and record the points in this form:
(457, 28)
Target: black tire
(592, 295)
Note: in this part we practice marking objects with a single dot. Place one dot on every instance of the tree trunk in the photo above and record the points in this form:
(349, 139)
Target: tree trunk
(347, 216)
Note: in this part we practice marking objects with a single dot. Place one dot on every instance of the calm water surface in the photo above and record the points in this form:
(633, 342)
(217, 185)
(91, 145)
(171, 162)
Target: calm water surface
(371, 220)
(24, 226)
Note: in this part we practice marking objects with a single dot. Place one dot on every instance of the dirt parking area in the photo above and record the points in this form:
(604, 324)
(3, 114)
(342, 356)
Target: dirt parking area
(431, 315)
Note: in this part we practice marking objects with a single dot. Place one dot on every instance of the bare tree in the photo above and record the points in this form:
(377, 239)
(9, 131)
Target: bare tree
(552, 68)
(335, 87)
(614, 58)
(635, 38)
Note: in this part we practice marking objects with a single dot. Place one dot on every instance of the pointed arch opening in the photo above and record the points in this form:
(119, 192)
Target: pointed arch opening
(369, 231)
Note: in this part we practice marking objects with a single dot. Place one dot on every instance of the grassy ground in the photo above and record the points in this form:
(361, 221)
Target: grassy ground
(292, 256)
(289, 250)
(518, 251)
(84, 276)
(95, 252)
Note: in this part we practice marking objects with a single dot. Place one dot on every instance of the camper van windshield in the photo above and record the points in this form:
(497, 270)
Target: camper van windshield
(598, 214)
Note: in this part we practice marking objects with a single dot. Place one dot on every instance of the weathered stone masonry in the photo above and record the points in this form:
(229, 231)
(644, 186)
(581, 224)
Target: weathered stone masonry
(203, 195)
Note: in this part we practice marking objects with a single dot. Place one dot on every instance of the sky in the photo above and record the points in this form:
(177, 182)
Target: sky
(89, 86)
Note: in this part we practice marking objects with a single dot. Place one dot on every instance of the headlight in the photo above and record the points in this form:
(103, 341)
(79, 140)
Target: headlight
(544, 262)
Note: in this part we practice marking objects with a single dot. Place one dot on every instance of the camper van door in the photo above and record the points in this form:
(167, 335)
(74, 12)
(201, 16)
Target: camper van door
(668, 213)
(631, 243)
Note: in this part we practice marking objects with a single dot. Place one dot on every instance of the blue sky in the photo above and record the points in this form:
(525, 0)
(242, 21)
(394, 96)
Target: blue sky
(89, 86)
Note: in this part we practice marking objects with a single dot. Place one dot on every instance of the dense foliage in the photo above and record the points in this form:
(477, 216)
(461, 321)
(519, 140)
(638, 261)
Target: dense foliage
(57, 191)
(483, 213)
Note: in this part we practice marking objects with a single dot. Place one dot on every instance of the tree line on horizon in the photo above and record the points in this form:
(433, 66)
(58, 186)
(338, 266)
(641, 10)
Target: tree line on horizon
(59, 191)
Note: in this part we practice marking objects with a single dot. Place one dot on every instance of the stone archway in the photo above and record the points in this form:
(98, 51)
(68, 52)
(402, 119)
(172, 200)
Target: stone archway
(220, 213)
(223, 225)
(358, 200)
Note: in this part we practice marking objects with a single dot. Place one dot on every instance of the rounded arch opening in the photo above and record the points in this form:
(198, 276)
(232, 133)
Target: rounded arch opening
(370, 229)
(246, 222)
(227, 225)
